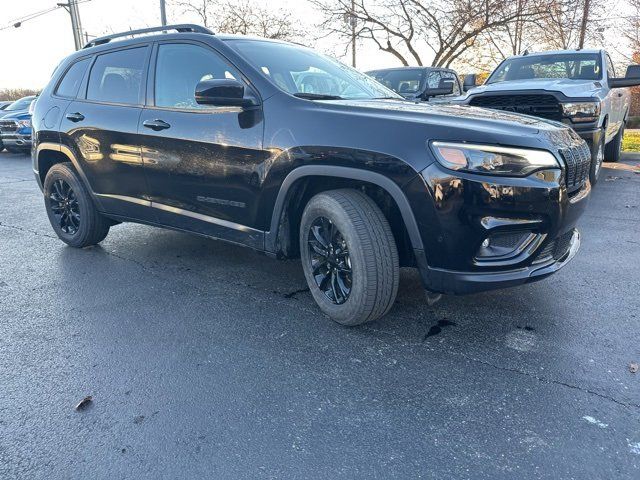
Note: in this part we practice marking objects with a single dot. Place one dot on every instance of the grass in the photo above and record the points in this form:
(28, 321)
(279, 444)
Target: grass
(631, 142)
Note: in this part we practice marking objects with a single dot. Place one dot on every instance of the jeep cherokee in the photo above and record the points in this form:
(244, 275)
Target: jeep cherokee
(222, 136)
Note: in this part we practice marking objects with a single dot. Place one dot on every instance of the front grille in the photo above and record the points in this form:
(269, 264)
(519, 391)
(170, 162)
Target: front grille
(556, 248)
(578, 162)
(545, 106)
(8, 126)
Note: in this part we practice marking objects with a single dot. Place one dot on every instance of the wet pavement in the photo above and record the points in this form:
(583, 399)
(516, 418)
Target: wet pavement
(207, 360)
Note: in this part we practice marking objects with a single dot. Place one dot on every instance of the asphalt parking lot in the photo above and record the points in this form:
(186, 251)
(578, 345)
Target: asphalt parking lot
(206, 360)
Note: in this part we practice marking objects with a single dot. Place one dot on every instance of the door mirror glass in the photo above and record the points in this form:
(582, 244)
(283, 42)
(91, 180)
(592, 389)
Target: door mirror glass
(222, 92)
(469, 81)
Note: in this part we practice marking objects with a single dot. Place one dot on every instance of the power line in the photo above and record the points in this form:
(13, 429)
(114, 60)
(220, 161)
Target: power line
(19, 21)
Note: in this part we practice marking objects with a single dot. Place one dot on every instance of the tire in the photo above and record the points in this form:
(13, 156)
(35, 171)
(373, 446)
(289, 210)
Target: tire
(353, 221)
(70, 208)
(614, 148)
(596, 163)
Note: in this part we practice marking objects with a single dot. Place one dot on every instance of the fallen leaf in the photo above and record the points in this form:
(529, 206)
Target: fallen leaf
(84, 403)
(633, 367)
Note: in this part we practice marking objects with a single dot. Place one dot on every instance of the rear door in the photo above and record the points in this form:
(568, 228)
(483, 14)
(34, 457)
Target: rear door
(101, 124)
(203, 162)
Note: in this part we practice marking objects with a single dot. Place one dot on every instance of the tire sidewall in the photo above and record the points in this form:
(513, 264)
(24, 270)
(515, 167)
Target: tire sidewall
(323, 206)
(65, 173)
(594, 174)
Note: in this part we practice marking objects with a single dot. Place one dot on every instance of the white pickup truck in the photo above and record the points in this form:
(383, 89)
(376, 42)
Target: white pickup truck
(577, 87)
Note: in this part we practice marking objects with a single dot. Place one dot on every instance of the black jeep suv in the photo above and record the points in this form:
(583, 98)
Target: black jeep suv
(273, 146)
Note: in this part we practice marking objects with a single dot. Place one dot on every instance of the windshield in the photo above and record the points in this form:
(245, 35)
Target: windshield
(574, 66)
(411, 81)
(304, 73)
(21, 104)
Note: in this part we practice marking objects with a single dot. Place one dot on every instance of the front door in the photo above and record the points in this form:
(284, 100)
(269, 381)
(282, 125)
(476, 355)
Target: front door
(202, 163)
(101, 128)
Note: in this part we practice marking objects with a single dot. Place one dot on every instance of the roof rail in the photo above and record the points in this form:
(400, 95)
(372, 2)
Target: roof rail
(182, 28)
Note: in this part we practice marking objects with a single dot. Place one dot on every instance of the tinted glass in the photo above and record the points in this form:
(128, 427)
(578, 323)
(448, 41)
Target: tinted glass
(575, 66)
(303, 72)
(611, 71)
(401, 81)
(69, 85)
(180, 67)
(117, 77)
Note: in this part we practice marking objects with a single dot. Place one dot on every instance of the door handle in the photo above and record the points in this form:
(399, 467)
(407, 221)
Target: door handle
(75, 117)
(156, 124)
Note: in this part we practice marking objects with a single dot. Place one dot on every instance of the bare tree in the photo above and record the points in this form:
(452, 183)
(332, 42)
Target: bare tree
(242, 17)
(561, 26)
(402, 27)
(16, 93)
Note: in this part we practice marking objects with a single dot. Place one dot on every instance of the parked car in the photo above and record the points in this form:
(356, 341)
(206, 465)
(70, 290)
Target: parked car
(428, 84)
(15, 125)
(4, 104)
(210, 134)
(577, 87)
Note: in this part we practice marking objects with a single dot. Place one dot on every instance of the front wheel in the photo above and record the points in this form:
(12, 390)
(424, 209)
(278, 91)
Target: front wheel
(71, 210)
(613, 149)
(349, 256)
(596, 163)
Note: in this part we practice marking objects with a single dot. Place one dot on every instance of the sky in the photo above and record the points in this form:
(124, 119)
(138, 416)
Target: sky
(30, 53)
(40, 44)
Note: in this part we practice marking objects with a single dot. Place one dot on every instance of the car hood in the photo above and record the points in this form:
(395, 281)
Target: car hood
(570, 88)
(16, 115)
(462, 118)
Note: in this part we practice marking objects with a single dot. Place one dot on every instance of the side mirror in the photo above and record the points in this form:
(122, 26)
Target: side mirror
(223, 92)
(469, 82)
(446, 88)
(631, 79)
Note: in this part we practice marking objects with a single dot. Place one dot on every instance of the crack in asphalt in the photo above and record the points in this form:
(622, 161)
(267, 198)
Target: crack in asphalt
(550, 381)
(26, 230)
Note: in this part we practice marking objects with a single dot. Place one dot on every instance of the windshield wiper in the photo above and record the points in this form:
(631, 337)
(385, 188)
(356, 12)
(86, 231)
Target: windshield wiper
(317, 96)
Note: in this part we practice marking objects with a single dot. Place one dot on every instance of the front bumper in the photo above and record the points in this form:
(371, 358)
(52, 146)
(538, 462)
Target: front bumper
(17, 140)
(467, 209)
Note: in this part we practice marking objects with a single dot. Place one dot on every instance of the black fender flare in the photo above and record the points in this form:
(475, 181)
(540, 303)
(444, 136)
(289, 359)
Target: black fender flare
(342, 172)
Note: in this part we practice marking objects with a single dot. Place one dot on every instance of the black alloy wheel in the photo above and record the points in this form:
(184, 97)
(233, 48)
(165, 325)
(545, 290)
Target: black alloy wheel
(64, 207)
(330, 261)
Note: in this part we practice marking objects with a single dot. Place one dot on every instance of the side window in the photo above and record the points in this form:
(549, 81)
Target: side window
(70, 83)
(179, 68)
(611, 72)
(116, 77)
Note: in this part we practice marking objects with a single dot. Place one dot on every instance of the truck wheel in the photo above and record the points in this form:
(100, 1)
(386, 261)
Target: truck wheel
(596, 163)
(349, 256)
(614, 147)
(71, 210)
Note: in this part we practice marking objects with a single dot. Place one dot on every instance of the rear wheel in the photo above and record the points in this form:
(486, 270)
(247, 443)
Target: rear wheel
(613, 149)
(349, 256)
(596, 163)
(71, 210)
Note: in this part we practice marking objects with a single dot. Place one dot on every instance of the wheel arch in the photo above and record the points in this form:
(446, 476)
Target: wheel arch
(294, 194)
(49, 153)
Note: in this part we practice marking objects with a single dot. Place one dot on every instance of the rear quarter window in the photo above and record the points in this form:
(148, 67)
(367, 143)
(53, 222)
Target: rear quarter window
(116, 77)
(70, 83)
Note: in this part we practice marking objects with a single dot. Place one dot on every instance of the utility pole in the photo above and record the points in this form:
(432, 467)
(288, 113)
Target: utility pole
(583, 26)
(351, 20)
(163, 12)
(76, 25)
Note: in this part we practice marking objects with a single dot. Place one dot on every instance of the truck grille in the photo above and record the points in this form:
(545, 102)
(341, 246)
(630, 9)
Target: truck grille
(578, 161)
(545, 106)
(7, 126)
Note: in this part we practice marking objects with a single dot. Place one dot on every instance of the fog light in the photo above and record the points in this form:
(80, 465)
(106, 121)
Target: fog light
(485, 244)
(503, 245)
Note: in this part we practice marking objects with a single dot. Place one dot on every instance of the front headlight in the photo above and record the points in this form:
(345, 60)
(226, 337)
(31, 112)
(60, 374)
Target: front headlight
(582, 112)
(24, 123)
(488, 159)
